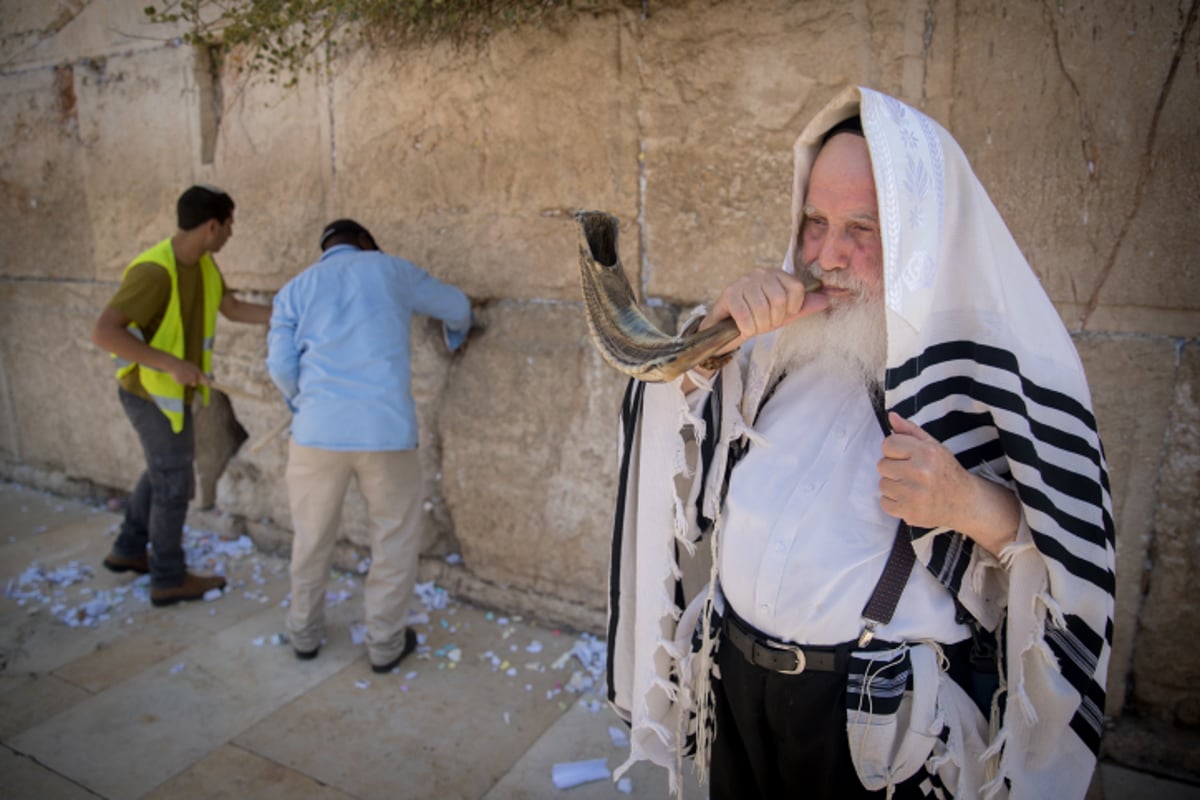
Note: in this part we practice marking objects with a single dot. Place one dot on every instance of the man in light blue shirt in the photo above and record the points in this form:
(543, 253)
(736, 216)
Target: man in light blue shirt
(339, 349)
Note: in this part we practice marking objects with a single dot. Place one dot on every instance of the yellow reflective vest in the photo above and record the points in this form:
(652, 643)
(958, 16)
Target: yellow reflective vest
(163, 389)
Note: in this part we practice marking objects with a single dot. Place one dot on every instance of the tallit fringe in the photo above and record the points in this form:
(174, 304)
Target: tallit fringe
(706, 724)
(671, 690)
(1053, 609)
(1010, 551)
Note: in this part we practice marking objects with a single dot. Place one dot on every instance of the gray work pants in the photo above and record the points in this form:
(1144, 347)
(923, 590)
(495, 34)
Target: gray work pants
(159, 503)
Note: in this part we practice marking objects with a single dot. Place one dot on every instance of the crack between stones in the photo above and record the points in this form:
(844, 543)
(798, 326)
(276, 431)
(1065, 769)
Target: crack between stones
(1147, 166)
(333, 185)
(643, 239)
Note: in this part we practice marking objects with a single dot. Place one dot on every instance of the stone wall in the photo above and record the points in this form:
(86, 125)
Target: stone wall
(1079, 117)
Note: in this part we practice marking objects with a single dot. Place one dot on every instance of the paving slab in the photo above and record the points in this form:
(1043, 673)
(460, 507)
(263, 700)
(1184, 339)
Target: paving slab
(586, 732)
(213, 703)
(27, 512)
(435, 727)
(180, 709)
(23, 777)
(34, 701)
(231, 773)
(1127, 784)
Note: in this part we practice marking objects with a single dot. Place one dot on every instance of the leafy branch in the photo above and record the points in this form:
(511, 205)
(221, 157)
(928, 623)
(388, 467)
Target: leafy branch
(282, 37)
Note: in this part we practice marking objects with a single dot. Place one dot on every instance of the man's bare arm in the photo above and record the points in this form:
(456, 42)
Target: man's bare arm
(110, 333)
(241, 311)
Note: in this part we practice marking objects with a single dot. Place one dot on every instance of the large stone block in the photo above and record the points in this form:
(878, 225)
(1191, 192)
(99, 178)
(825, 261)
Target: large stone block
(270, 148)
(43, 212)
(727, 88)
(1154, 286)
(1166, 665)
(37, 33)
(529, 431)
(469, 162)
(137, 121)
(61, 390)
(1057, 108)
(1131, 384)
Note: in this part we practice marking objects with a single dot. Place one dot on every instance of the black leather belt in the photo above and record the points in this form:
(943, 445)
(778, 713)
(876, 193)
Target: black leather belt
(785, 657)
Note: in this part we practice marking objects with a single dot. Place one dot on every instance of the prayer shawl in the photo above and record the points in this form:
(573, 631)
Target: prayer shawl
(978, 357)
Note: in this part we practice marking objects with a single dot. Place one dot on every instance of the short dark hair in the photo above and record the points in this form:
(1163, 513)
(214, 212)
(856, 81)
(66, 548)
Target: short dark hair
(200, 203)
(344, 231)
(851, 125)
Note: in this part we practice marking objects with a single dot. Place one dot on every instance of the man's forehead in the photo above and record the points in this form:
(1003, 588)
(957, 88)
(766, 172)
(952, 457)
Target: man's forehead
(863, 215)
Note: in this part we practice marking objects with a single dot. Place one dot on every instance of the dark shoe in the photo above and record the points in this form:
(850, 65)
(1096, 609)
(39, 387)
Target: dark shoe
(194, 587)
(307, 655)
(410, 644)
(119, 563)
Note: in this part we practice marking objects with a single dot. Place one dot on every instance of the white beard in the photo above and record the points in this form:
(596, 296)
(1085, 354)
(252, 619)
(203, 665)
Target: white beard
(850, 339)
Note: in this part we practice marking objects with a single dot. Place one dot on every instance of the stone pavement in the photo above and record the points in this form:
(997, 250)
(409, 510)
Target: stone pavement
(102, 695)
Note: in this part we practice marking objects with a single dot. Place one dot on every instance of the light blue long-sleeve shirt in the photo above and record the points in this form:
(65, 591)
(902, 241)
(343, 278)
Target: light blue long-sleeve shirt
(339, 347)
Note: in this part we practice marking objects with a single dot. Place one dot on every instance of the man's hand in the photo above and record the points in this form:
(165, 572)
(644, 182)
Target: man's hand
(921, 482)
(186, 373)
(762, 301)
(759, 302)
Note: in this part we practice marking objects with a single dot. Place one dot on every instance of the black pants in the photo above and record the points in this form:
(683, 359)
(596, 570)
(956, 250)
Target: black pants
(784, 736)
(158, 506)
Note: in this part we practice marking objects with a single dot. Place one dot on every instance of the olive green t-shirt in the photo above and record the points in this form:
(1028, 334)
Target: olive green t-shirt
(143, 297)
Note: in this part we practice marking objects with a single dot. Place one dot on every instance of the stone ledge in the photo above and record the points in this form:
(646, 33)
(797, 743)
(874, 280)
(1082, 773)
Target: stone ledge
(1153, 746)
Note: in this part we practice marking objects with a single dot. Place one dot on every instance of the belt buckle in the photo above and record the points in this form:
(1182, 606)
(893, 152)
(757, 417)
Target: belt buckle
(794, 650)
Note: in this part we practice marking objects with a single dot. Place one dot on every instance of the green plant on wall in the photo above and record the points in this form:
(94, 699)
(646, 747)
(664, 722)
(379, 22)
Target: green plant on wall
(281, 38)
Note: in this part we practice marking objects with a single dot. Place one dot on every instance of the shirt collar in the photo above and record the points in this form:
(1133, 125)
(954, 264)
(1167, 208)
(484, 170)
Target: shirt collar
(337, 248)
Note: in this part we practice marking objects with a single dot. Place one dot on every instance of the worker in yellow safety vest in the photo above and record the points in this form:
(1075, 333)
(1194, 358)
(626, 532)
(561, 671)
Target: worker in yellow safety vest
(159, 326)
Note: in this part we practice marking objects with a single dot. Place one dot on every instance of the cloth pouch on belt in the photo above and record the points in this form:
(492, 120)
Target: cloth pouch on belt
(903, 712)
(892, 718)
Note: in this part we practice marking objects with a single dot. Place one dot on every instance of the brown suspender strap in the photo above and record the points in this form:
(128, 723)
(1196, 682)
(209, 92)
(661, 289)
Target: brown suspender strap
(883, 600)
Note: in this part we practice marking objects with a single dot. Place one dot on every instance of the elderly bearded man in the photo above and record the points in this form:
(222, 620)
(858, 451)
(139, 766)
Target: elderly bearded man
(904, 495)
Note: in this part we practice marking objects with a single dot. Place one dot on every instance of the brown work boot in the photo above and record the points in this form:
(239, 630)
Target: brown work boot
(119, 563)
(194, 587)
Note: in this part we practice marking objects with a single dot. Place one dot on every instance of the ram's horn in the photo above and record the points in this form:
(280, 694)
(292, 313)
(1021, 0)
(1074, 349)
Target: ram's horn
(620, 330)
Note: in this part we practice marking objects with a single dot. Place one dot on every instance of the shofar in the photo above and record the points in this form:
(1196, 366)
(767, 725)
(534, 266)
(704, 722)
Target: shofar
(620, 330)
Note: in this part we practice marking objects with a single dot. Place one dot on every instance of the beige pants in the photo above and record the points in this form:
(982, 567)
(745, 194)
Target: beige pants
(391, 483)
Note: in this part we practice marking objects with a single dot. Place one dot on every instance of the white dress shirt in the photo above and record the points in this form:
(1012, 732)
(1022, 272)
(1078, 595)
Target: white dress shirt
(805, 539)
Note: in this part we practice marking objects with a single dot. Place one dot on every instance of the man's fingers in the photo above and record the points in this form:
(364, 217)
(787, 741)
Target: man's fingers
(899, 446)
(905, 428)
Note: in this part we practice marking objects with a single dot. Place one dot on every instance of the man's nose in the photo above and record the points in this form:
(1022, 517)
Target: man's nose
(833, 253)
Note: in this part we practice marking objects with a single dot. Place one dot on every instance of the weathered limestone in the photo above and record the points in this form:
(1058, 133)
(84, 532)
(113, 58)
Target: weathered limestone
(469, 163)
(1132, 381)
(725, 95)
(41, 178)
(1078, 118)
(529, 452)
(1166, 672)
(61, 388)
(1075, 166)
(270, 150)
